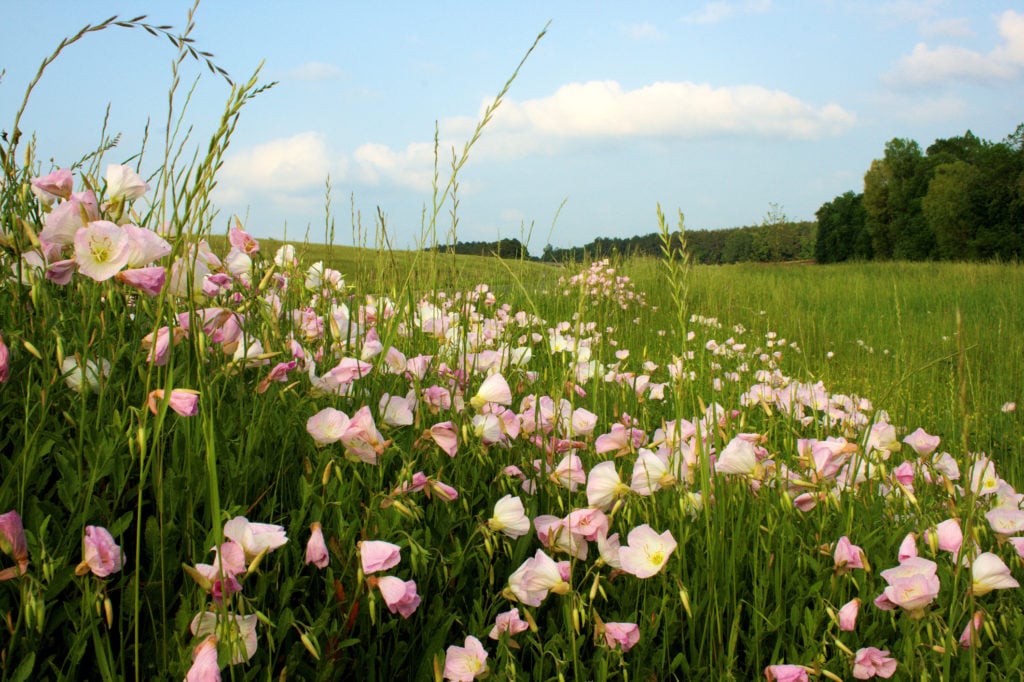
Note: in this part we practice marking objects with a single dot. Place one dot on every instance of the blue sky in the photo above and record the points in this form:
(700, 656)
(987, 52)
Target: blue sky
(716, 108)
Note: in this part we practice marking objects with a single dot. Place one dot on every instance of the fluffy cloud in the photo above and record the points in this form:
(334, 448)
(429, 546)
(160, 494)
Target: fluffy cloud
(720, 10)
(644, 31)
(411, 167)
(292, 163)
(603, 109)
(314, 71)
(926, 66)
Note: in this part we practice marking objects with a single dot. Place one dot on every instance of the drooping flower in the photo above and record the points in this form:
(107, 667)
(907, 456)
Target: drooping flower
(61, 224)
(465, 663)
(738, 457)
(988, 572)
(947, 536)
(646, 552)
(13, 544)
(604, 485)
(922, 443)
(848, 615)
(535, 577)
(56, 185)
(446, 437)
(184, 401)
(494, 389)
(786, 672)
(871, 662)
(101, 250)
(510, 622)
(145, 246)
(219, 578)
(5, 362)
(971, 634)
(88, 377)
(377, 555)
(509, 517)
(316, 548)
(236, 632)
(204, 662)
(100, 554)
(847, 555)
(149, 281)
(399, 595)
(621, 635)
(255, 538)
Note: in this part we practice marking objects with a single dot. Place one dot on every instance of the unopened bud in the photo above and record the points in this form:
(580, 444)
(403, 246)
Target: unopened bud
(310, 645)
(108, 611)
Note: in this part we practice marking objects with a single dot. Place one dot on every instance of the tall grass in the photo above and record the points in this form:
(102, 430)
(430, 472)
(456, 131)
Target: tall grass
(752, 416)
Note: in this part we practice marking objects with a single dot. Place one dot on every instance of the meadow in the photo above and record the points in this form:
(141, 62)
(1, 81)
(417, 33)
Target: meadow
(232, 458)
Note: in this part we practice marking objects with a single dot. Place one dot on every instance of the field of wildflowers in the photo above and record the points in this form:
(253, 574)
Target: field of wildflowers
(221, 461)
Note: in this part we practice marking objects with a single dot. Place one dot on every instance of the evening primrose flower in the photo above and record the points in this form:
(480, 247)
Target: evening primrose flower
(237, 632)
(399, 595)
(123, 183)
(13, 544)
(316, 548)
(255, 538)
(785, 672)
(509, 517)
(913, 585)
(604, 485)
(870, 662)
(738, 457)
(377, 555)
(101, 249)
(79, 378)
(494, 389)
(922, 443)
(101, 554)
(184, 401)
(510, 622)
(5, 362)
(56, 185)
(847, 555)
(465, 663)
(621, 635)
(646, 552)
(848, 615)
(204, 662)
(988, 572)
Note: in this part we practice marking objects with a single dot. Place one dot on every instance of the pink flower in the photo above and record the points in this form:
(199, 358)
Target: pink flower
(204, 662)
(101, 554)
(908, 548)
(509, 517)
(847, 556)
(446, 438)
(327, 426)
(149, 281)
(399, 595)
(970, 634)
(362, 440)
(1008, 407)
(647, 552)
(124, 183)
(61, 224)
(377, 555)
(241, 240)
(921, 442)
(869, 662)
(228, 562)
(184, 401)
(101, 250)
(947, 536)
(510, 622)
(912, 585)
(531, 582)
(255, 538)
(623, 635)
(56, 185)
(604, 485)
(145, 246)
(988, 572)
(738, 457)
(316, 548)
(785, 673)
(494, 389)
(848, 615)
(465, 663)
(13, 544)
(5, 362)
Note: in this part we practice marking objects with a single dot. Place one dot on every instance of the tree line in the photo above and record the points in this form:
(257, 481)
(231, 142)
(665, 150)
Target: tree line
(962, 198)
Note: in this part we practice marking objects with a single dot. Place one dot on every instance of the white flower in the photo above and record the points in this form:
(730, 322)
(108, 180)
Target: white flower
(124, 183)
(509, 517)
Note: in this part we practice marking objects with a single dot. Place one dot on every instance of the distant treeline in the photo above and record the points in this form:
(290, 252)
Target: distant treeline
(962, 198)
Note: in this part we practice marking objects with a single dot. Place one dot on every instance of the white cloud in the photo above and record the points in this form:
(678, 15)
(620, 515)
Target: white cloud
(720, 10)
(602, 109)
(948, 28)
(314, 71)
(287, 164)
(644, 31)
(411, 167)
(946, 64)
